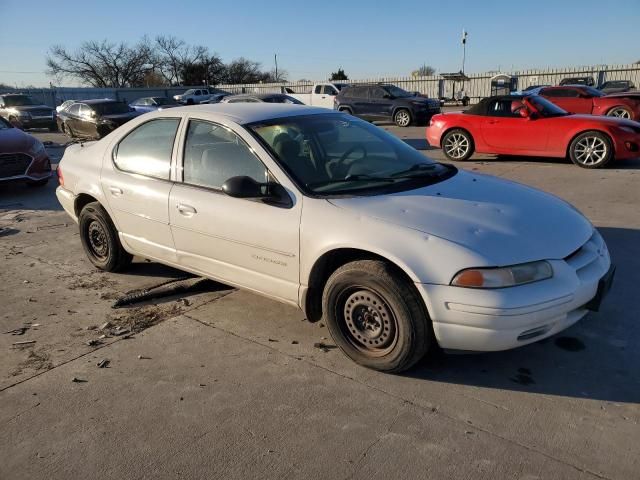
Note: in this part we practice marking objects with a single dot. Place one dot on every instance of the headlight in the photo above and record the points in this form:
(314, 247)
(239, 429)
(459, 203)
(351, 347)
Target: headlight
(503, 277)
(36, 149)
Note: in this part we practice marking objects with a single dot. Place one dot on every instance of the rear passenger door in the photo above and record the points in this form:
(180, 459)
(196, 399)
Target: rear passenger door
(378, 104)
(568, 99)
(136, 182)
(243, 242)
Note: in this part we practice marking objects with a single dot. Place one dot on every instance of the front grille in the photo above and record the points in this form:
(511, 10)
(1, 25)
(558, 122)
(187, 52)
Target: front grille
(40, 113)
(586, 261)
(13, 164)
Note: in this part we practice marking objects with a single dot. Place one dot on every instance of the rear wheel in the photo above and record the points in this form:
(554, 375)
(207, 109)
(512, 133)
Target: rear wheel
(100, 240)
(458, 144)
(620, 112)
(375, 316)
(591, 150)
(402, 117)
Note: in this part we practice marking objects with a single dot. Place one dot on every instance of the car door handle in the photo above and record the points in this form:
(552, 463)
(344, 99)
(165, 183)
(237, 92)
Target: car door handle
(186, 210)
(116, 191)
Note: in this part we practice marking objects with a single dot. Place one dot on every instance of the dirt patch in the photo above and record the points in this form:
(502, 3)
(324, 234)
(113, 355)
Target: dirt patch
(137, 319)
(36, 360)
(93, 281)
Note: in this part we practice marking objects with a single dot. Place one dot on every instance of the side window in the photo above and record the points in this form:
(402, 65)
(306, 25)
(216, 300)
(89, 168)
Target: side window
(377, 93)
(318, 89)
(213, 154)
(505, 108)
(147, 149)
(74, 109)
(85, 111)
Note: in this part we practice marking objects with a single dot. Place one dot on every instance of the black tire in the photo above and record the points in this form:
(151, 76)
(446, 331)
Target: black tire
(465, 102)
(100, 240)
(464, 141)
(190, 101)
(38, 183)
(599, 157)
(375, 316)
(402, 117)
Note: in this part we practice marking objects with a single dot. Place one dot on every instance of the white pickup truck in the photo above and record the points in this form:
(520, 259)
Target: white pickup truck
(194, 96)
(321, 95)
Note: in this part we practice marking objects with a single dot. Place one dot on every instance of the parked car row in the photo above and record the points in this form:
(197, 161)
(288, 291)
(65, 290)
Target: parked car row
(23, 157)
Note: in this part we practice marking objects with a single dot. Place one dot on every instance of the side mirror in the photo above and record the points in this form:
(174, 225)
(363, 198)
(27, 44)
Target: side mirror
(524, 112)
(246, 187)
(387, 95)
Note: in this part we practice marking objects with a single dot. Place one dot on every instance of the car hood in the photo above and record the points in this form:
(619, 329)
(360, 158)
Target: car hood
(611, 121)
(503, 221)
(28, 108)
(14, 140)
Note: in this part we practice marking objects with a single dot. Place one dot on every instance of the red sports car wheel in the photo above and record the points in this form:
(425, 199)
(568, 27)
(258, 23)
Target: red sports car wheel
(591, 150)
(457, 144)
(620, 112)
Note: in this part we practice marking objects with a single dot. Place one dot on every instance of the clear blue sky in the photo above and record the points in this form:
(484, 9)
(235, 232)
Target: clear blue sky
(366, 38)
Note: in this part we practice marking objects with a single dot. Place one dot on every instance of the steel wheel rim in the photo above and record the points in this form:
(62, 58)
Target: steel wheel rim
(402, 118)
(620, 113)
(97, 237)
(367, 322)
(591, 150)
(457, 145)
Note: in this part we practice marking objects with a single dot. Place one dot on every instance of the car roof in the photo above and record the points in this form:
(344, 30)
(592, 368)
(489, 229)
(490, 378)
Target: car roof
(98, 100)
(252, 112)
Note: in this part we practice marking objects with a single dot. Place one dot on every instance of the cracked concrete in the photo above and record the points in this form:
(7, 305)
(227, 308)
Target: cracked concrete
(230, 386)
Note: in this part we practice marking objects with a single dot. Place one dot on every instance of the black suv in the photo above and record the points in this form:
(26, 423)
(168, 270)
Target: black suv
(22, 111)
(386, 102)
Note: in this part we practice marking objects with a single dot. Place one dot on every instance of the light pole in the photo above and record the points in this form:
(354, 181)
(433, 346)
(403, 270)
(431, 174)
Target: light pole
(464, 47)
(275, 58)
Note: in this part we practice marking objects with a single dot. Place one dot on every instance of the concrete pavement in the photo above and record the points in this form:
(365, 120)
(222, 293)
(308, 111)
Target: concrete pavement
(232, 386)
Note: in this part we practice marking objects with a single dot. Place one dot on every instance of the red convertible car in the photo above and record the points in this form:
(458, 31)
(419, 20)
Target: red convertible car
(22, 157)
(582, 99)
(533, 126)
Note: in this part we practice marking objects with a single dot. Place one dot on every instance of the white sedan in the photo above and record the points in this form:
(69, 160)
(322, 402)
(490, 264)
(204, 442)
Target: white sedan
(332, 214)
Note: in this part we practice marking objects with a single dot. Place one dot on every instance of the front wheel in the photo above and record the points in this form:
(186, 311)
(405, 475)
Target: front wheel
(402, 117)
(458, 144)
(100, 239)
(375, 316)
(591, 150)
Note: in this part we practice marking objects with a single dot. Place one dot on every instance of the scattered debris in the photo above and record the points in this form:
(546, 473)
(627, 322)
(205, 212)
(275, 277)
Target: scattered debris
(203, 385)
(17, 331)
(94, 342)
(165, 289)
(78, 380)
(142, 357)
(320, 324)
(120, 331)
(105, 325)
(103, 363)
(26, 342)
(102, 336)
(26, 281)
(91, 327)
(294, 342)
(323, 346)
(272, 339)
(185, 301)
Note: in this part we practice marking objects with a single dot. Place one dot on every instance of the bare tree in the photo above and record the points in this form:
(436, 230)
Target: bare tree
(424, 71)
(242, 70)
(102, 63)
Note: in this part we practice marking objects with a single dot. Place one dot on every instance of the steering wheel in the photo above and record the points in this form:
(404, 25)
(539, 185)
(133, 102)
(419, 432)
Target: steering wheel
(331, 166)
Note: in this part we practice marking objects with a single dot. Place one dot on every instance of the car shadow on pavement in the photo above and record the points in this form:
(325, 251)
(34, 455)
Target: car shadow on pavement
(597, 358)
(20, 196)
(633, 164)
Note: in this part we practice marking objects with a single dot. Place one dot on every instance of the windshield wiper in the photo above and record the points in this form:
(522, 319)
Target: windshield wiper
(417, 170)
(353, 178)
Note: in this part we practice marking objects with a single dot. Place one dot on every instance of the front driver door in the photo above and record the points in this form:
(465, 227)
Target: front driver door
(505, 131)
(243, 242)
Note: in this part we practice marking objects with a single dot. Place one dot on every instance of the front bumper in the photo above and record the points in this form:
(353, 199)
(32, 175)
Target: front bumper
(38, 122)
(38, 168)
(500, 319)
(626, 145)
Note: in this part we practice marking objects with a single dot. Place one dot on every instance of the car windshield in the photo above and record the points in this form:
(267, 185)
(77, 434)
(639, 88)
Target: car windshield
(110, 108)
(397, 91)
(545, 107)
(189, 92)
(19, 101)
(333, 153)
(164, 101)
(593, 91)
